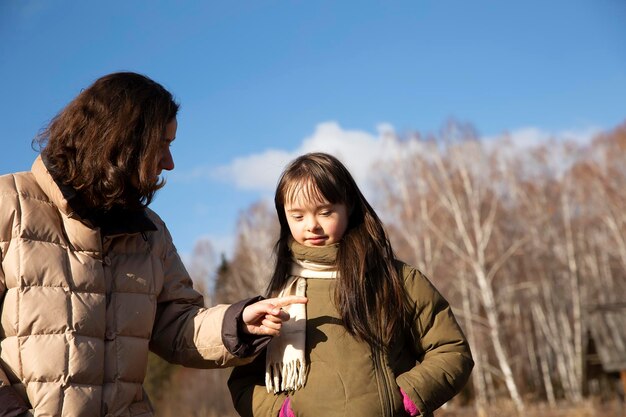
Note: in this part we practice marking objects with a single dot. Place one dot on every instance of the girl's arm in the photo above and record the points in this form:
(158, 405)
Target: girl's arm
(447, 360)
(248, 392)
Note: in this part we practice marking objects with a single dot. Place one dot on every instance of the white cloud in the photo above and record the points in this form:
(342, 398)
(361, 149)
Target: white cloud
(580, 136)
(254, 172)
(529, 137)
(357, 149)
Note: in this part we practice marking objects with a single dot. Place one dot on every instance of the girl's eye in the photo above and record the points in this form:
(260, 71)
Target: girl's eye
(296, 216)
(325, 213)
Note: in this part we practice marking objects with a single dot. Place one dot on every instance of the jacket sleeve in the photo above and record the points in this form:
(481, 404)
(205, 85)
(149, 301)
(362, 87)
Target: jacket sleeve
(248, 392)
(184, 331)
(11, 403)
(4, 380)
(444, 358)
(239, 344)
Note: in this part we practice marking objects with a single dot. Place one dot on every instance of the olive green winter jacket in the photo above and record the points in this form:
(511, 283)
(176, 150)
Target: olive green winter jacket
(431, 363)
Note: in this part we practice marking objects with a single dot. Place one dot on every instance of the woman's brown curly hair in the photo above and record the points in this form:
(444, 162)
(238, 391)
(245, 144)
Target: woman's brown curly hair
(106, 142)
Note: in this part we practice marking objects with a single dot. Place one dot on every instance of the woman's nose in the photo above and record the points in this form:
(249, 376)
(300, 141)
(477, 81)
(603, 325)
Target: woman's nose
(167, 160)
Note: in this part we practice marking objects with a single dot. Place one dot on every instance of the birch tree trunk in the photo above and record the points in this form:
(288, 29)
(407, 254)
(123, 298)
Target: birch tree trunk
(577, 358)
(472, 208)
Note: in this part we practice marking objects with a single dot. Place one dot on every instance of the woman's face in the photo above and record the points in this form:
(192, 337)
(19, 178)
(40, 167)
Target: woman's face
(316, 223)
(166, 161)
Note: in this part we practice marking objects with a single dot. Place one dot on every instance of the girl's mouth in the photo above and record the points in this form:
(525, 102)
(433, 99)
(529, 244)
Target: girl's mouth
(316, 240)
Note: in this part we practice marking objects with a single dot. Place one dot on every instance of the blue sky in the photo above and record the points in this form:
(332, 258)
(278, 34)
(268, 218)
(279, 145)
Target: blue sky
(261, 81)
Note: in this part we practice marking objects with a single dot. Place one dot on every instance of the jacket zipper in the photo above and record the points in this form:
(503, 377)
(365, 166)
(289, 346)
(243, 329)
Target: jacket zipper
(386, 394)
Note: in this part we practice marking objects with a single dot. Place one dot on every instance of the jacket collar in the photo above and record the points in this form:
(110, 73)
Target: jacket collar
(111, 222)
(50, 188)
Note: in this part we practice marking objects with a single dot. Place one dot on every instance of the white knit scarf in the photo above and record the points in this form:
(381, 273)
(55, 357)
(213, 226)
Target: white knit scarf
(285, 364)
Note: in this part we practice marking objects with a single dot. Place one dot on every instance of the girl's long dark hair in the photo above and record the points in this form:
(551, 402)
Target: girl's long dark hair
(105, 143)
(370, 293)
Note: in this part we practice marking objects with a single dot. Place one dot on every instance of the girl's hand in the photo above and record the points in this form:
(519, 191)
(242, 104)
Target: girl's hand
(410, 407)
(265, 317)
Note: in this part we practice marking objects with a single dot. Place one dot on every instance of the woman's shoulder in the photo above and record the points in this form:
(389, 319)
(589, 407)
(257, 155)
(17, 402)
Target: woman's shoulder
(19, 183)
(20, 189)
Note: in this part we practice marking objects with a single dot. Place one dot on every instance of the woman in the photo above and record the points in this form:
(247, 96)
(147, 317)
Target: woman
(90, 278)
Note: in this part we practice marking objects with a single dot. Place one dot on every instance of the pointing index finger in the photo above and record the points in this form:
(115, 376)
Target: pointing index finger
(288, 300)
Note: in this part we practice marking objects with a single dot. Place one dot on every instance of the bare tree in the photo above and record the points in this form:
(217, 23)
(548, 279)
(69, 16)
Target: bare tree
(251, 267)
(608, 173)
(449, 193)
(462, 180)
(407, 203)
(202, 268)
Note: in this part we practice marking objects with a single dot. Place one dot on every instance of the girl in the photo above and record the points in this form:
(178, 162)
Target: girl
(375, 339)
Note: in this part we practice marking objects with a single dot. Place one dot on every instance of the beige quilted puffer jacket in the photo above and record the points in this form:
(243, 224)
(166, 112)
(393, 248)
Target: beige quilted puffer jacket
(79, 310)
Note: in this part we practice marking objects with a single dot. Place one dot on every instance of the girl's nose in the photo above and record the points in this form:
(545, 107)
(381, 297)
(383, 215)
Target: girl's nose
(311, 224)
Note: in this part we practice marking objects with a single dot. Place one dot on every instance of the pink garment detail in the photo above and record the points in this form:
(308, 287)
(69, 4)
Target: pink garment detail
(285, 409)
(409, 406)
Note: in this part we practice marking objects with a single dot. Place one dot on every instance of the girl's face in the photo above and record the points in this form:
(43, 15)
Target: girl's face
(316, 223)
